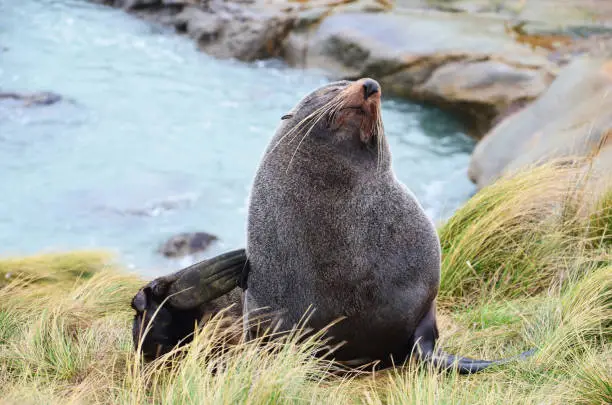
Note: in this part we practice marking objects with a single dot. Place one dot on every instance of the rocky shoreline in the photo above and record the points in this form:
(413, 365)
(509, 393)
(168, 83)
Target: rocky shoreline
(528, 78)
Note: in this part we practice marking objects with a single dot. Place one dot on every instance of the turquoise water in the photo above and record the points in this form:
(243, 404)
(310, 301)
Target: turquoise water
(156, 138)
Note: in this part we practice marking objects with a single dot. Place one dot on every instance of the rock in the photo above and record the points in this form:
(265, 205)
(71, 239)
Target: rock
(179, 2)
(573, 118)
(222, 29)
(259, 38)
(185, 244)
(555, 13)
(202, 26)
(227, 31)
(465, 63)
(599, 45)
(137, 4)
(32, 99)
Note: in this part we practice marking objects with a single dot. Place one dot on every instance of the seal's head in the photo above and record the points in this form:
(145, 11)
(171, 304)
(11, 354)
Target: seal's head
(341, 116)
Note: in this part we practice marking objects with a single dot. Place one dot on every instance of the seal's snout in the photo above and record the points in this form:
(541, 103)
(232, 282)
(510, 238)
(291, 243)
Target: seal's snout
(370, 87)
(362, 92)
(360, 105)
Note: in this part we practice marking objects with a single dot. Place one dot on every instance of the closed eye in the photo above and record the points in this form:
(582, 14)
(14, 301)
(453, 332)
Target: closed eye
(357, 109)
(286, 116)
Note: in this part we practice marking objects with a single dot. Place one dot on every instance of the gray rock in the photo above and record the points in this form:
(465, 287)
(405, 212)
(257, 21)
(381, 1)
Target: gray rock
(572, 119)
(227, 31)
(202, 26)
(179, 2)
(32, 99)
(460, 62)
(554, 13)
(185, 244)
(137, 4)
(599, 46)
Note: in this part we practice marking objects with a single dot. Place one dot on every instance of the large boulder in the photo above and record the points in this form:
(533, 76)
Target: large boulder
(466, 63)
(573, 118)
(225, 30)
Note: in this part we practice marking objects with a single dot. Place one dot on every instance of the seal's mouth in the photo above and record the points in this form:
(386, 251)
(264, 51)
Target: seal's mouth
(358, 109)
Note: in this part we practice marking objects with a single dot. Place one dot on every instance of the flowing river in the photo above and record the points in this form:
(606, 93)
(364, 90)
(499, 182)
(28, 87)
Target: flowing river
(154, 138)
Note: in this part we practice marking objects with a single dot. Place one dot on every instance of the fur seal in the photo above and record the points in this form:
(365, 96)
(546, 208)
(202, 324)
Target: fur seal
(332, 234)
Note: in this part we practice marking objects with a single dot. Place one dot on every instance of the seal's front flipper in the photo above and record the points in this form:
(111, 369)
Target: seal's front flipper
(425, 337)
(208, 280)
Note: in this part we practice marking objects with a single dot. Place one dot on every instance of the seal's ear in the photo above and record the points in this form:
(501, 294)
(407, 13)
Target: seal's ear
(286, 116)
(140, 301)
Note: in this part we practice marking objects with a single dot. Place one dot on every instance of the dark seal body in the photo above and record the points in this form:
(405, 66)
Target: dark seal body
(332, 229)
(332, 237)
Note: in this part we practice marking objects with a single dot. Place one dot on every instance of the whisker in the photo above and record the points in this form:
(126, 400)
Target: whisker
(378, 141)
(329, 106)
(296, 129)
(377, 131)
(302, 140)
(312, 115)
(325, 110)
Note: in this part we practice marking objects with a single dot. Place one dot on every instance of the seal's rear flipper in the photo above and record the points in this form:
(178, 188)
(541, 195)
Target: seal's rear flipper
(203, 281)
(157, 328)
(425, 338)
(168, 308)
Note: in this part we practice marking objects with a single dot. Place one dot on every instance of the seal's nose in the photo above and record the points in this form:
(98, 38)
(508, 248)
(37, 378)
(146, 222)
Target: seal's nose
(370, 87)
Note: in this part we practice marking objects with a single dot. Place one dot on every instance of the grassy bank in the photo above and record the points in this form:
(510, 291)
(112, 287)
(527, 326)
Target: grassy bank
(526, 264)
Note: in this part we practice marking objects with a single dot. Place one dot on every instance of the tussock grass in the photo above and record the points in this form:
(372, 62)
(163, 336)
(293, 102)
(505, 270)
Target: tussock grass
(524, 234)
(522, 269)
(592, 383)
(601, 221)
(53, 267)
